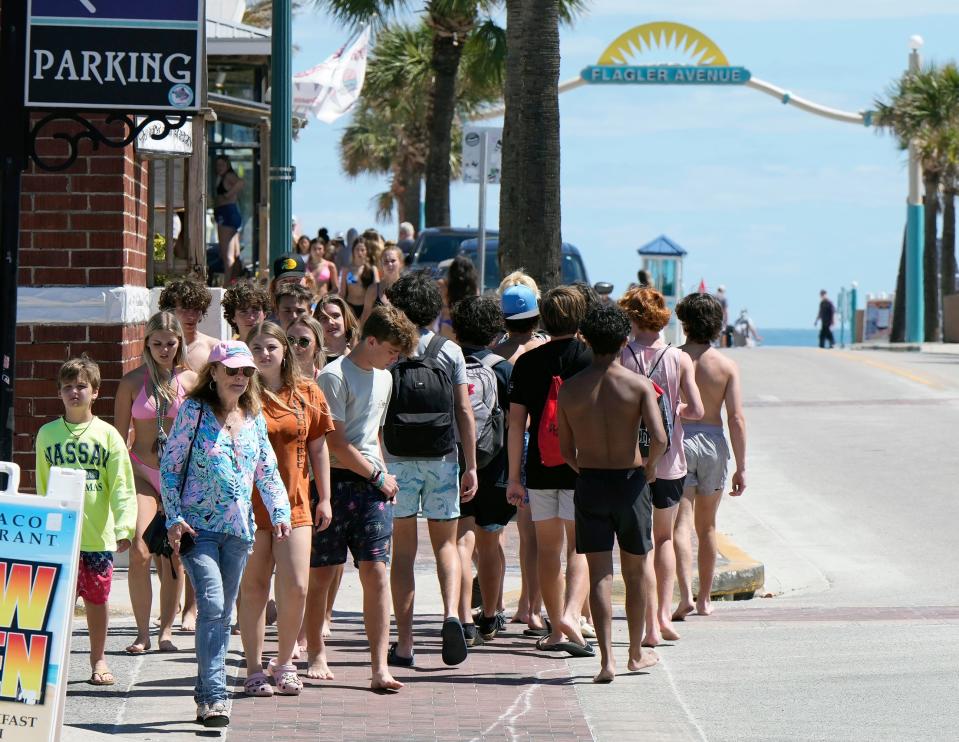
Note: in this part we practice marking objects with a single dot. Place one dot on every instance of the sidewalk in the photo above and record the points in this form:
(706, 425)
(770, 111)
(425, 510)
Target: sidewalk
(931, 348)
(505, 690)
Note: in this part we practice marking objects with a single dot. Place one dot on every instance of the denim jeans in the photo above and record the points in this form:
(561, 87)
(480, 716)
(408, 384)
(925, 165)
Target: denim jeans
(214, 565)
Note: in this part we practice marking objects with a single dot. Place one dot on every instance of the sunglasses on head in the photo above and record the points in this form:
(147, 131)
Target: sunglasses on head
(302, 342)
(247, 371)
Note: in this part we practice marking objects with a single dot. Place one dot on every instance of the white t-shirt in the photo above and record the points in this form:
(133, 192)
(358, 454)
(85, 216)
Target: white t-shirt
(451, 359)
(358, 398)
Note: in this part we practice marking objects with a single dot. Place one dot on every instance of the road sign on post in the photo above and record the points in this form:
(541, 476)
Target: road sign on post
(114, 54)
(482, 154)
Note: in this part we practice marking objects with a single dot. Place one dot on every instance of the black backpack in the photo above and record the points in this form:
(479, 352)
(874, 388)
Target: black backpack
(419, 420)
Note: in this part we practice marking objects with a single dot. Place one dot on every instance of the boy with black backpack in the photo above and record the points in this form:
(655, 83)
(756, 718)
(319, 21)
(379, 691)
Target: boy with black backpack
(534, 386)
(429, 406)
(476, 322)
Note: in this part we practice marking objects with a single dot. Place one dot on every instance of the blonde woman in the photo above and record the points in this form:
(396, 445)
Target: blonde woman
(147, 401)
(305, 335)
(521, 321)
(391, 268)
(297, 420)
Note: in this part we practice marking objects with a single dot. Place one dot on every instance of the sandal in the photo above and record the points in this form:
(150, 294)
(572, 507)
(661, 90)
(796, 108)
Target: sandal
(258, 685)
(288, 683)
(101, 677)
(394, 659)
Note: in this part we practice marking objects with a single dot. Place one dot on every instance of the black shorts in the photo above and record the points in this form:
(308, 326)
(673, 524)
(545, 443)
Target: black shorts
(613, 503)
(489, 507)
(667, 493)
(362, 522)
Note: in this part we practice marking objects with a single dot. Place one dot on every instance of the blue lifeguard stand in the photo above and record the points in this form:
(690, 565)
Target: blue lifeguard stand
(663, 261)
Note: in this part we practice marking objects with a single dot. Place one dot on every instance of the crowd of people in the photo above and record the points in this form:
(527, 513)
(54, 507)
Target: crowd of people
(355, 399)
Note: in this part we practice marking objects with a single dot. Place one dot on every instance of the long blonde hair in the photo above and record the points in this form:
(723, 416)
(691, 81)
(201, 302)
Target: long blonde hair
(164, 322)
(289, 369)
(319, 356)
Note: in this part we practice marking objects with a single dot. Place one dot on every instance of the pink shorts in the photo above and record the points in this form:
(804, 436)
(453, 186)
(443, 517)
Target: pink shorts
(95, 576)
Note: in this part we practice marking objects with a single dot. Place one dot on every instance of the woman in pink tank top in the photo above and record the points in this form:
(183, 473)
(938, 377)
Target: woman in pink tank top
(147, 401)
(672, 372)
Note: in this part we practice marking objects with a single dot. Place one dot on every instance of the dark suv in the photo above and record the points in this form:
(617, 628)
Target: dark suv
(436, 244)
(573, 268)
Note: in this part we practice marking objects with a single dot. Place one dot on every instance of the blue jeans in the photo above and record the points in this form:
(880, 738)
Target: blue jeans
(214, 565)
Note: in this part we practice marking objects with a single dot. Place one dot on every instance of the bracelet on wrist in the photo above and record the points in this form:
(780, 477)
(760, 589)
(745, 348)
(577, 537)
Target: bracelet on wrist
(374, 475)
(380, 480)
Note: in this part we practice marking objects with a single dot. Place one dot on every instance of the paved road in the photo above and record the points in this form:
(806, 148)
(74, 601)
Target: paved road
(851, 506)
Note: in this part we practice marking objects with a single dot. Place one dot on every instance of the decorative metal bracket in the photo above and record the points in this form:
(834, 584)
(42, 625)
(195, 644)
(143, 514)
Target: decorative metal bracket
(94, 135)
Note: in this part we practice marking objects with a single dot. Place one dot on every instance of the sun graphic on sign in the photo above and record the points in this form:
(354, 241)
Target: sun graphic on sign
(671, 43)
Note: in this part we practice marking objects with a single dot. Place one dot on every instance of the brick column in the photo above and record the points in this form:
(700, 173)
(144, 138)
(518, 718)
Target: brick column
(84, 228)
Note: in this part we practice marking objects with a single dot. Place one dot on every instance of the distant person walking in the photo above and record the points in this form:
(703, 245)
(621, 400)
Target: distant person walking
(825, 318)
(726, 337)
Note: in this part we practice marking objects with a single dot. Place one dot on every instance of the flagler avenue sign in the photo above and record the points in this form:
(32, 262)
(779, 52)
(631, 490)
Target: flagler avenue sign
(665, 75)
(142, 55)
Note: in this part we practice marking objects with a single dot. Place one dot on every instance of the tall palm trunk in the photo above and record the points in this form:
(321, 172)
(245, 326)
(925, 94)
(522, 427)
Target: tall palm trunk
(897, 334)
(948, 241)
(930, 258)
(408, 203)
(447, 51)
(513, 177)
(537, 218)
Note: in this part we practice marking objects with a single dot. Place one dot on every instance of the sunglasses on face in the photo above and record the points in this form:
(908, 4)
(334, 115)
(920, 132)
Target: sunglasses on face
(247, 371)
(302, 342)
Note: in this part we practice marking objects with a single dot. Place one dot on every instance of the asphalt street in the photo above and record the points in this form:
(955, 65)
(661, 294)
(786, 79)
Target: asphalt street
(851, 505)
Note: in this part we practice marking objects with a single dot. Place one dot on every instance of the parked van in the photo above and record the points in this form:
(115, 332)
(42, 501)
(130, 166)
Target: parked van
(436, 244)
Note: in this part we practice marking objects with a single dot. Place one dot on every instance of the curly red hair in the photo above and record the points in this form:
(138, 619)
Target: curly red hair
(646, 308)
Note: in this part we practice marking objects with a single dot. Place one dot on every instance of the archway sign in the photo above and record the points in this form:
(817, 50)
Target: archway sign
(693, 59)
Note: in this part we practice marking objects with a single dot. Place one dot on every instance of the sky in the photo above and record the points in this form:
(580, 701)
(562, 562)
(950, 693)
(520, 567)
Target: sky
(768, 200)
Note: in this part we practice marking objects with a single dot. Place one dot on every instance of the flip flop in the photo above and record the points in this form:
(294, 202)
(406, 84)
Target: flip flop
(454, 642)
(397, 660)
(577, 650)
(167, 646)
(537, 633)
(102, 677)
(542, 646)
(135, 649)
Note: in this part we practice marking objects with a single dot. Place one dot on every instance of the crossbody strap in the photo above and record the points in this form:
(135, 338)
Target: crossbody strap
(189, 454)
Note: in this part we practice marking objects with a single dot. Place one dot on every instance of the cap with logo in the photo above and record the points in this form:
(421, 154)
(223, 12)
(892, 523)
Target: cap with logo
(289, 265)
(519, 302)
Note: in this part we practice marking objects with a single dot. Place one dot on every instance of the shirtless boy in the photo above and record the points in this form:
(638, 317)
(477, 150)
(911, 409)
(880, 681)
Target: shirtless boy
(706, 452)
(600, 412)
(189, 300)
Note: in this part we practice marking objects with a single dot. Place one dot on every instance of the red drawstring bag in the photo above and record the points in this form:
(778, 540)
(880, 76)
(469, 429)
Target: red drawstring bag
(548, 434)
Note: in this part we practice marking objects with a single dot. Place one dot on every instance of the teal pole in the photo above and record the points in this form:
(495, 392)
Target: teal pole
(915, 319)
(282, 173)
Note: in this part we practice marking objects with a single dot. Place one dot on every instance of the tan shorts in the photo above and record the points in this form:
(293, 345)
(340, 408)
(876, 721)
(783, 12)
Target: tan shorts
(546, 504)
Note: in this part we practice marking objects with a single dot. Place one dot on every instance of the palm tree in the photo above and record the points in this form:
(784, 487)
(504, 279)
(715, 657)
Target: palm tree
(924, 107)
(530, 219)
(389, 133)
(454, 24)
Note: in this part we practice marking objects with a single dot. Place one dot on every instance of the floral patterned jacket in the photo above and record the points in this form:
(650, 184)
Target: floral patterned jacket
(216, 495)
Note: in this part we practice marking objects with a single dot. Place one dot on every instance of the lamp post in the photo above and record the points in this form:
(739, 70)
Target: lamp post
(915, 321)
(282, 173)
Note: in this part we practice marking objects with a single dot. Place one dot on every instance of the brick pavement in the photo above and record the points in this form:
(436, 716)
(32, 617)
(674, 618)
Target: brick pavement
(504, 690)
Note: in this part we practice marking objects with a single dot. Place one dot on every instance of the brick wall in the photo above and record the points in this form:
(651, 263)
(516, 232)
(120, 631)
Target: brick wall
(86, 226)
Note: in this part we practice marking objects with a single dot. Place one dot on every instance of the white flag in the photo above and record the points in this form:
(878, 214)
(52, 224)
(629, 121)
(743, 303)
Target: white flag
(330, 89)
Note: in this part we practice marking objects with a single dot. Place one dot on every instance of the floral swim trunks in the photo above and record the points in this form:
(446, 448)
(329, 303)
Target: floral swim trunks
(95, 576)
(362, 522)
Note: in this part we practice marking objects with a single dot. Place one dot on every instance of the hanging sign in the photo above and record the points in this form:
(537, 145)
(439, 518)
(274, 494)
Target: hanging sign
(472, 153)
(39, 551)
(121, 55)
(664, 53)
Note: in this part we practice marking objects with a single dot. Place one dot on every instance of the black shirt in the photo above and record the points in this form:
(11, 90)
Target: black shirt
(826, 312)
(529, 386)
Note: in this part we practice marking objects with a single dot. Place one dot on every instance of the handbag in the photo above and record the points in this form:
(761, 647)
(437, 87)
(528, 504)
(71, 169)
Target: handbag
(155, 534)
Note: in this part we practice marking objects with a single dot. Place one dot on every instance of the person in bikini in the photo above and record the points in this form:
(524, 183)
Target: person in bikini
(706, 451)
(188, 300)
(600, 412)
(357, 277)
(149, 397)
